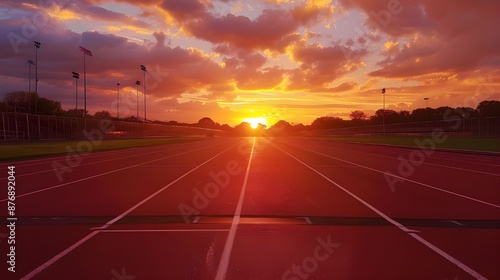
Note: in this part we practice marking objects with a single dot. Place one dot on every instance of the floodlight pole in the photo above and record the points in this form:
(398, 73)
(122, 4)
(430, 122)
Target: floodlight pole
(118, 100)
(85, 53)
(143, 68)
(30, 62)
(76, 76)
(383, 112)
(138, 83)
(37, 46)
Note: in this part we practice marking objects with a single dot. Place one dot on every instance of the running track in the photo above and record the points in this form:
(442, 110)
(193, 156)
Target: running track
(257, 208)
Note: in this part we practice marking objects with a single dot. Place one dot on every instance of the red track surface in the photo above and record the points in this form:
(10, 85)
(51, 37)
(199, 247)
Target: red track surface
(285, 208)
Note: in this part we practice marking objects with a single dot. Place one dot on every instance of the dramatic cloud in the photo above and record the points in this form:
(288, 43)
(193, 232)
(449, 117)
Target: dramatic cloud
(233, 59)
(435, 36)
(321, 65)
(273, 29)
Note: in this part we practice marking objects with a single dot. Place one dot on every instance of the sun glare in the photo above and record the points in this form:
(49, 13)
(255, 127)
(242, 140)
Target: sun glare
(254, 122)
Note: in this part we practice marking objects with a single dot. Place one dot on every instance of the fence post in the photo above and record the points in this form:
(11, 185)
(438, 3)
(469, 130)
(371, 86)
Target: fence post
(3, 126)
(28, 126)
(39, 129)
(15, 121)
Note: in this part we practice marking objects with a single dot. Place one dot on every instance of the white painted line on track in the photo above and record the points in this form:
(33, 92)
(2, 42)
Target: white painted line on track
(44, 160)
(434, 164)
(228, 247)
(159, 230)
(101, 174)
(403, 178)
(48, 263)
(107, 153)
(57, 257)
(411, 232)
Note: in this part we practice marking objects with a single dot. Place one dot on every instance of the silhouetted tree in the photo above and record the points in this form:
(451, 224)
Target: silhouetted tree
(74, 113)
(21, 100)
(207, 123)
(489, 108)
(358, 115)
(327, 122)
(390, 116)
(49, 107)
(102, 115)
(282, 127)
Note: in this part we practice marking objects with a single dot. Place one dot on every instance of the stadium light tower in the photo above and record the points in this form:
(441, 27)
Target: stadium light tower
(426, 102)
(383, 112)
(118, 100)
(143, 68)
(76, 76)
(85, 53)
(37, 46)
(138, 83)
(30, 62)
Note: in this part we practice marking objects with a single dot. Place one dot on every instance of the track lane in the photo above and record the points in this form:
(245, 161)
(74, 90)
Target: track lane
(453, 182)
(103, 198)
(35, 183)
(153, 240)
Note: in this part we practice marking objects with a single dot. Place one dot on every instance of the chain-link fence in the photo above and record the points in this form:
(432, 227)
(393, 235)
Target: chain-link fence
(461, 127)
(22, 126)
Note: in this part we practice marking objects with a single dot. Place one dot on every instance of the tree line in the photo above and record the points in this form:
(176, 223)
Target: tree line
(487, 108)
(21, 101)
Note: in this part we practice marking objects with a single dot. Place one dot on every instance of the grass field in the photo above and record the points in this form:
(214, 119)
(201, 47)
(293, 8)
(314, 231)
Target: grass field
(491, 144)
(34, 149)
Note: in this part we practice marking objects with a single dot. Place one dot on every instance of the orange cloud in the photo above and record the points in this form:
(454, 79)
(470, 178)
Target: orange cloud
(443, 36)
(321, 65)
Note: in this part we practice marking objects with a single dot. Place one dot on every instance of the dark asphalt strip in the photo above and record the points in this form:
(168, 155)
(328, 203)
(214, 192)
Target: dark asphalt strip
(272, 220)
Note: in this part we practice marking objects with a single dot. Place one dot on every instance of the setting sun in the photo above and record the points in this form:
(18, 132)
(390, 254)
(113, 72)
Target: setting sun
(254, 122)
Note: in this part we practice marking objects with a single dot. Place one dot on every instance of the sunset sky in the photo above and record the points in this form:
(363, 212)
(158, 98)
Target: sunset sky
(272, 59)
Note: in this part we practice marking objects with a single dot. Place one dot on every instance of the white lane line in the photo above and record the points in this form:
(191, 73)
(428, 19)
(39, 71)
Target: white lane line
(99, 229)
(456, 223)
(434, 164)
(403, 178)
(100, 174)
(159, 230)
(228, 247)
(58, 256)
(84, 164)
(411, 232)
(441, 156)
(38, 161)
(103, 154)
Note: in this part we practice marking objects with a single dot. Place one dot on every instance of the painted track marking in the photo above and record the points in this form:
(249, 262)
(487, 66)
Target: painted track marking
(411, 232)
(228, 247)
(66, 251)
